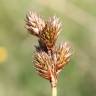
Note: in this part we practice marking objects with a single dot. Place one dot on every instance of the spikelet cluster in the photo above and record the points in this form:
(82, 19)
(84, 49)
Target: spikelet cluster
(49, 60)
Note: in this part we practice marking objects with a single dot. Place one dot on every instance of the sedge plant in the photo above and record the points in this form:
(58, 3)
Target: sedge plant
(49, 60)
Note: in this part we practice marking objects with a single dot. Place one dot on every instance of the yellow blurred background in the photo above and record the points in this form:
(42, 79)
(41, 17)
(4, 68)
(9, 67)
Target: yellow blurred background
(17, 75)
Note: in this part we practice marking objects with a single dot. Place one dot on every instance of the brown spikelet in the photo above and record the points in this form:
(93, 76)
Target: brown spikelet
(42, 63)
(34, 23)
(63, 56)
(50, 32)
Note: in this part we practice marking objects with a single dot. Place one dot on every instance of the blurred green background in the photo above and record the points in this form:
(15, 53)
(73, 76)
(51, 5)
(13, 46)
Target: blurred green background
(17, 75)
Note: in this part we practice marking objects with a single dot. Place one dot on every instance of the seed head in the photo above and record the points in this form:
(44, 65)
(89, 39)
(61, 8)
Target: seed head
(50, 64)
(34, 23)
(49, 60)
(50, 32)
(63, 54)
(43, 64)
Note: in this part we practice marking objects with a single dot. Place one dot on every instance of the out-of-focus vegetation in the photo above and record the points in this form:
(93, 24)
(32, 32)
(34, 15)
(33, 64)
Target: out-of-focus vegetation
(17, 75)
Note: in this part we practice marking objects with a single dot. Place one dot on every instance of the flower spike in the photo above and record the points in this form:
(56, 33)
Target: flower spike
(49, 59)
(51, 32)
(34, 23)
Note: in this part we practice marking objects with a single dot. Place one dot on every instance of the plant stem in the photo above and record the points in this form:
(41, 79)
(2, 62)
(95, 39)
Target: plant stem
(54, 91)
